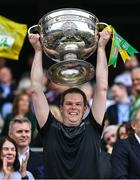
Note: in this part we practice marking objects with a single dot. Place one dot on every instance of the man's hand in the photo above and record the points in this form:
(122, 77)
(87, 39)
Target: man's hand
(24, 165)
(35, 42)
(104, 38)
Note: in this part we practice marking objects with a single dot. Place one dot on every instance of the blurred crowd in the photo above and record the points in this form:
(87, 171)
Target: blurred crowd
(122, 102)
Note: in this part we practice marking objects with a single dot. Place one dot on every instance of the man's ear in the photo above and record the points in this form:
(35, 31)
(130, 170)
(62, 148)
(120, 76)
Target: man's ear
(133, 125)
(10, 134)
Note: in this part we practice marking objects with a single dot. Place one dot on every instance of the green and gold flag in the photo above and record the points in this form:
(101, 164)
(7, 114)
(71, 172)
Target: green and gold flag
(119, 45)
(12, 35)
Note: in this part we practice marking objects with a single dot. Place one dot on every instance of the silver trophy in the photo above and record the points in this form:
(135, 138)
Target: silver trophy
(69, 36)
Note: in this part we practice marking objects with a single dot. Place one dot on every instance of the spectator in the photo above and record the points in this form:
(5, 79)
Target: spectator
(20, 131)
(9, 163)
(21, 106)
(125, 158)
(125, 76)
(109, 137)
(135, 74)
(124, 131)
(119, 111)
(7, 90)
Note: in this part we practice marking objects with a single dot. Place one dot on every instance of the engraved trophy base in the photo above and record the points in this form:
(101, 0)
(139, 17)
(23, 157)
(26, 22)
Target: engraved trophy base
(71, 72)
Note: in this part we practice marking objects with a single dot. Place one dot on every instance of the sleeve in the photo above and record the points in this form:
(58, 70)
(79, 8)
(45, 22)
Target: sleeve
(44, 129)
(108, 114)
(96, 126)
(119, 160)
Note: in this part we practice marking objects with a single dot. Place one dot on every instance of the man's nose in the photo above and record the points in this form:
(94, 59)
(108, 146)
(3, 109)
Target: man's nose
(24, 133)
(73, 105)
(135, 81)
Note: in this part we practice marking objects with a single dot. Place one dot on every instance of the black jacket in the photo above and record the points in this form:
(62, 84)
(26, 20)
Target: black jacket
(35, 164)
(125, 159)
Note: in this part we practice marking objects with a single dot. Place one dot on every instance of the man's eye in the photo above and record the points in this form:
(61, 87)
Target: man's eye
(19, 132)
(68, 104)
(27, 131)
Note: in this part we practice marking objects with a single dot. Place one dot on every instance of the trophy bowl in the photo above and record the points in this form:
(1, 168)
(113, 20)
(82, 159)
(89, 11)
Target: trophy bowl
(69, 36)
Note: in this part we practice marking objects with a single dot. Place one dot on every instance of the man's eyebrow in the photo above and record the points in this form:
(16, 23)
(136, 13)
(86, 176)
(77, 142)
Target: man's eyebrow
(23, 130)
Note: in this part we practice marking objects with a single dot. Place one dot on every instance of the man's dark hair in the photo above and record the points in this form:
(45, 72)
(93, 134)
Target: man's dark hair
(120, 84)
(71, 91)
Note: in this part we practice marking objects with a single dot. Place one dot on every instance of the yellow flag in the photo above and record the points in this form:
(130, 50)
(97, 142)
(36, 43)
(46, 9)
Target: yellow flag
(12, 35)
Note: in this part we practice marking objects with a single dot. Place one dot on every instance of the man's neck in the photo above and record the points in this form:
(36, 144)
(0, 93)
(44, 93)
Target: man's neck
(23, 150)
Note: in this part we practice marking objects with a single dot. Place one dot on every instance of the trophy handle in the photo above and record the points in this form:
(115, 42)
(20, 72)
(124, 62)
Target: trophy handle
(101, 25)
(34, 29)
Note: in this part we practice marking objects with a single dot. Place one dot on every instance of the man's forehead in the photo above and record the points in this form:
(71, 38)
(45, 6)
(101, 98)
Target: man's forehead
(20, 125)
(73, 95)
(136, 71)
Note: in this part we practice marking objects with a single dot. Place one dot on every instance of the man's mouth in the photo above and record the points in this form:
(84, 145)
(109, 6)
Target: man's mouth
(23, 140)
(73, 113)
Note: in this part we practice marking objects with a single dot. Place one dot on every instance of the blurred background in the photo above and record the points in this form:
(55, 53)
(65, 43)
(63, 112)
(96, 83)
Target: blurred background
(123, 15)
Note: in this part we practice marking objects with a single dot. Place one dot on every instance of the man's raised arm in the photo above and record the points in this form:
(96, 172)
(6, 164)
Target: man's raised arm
(100, 95)
(40, 103)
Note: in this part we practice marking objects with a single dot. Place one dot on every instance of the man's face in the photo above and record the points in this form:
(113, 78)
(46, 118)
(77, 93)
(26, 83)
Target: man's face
(73, 109)
(21, 133)
(136, 127)
(130, 64)
(117, 92)
(136, 80)
(5, 75)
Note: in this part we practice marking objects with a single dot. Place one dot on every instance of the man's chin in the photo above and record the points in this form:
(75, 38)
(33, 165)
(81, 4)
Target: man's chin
(75, 122)
(24, 145)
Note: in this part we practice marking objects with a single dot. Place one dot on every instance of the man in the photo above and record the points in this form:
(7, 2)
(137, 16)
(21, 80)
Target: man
(135, 75)
(7, 91)
(125, 158)
(71, 148)
(20, 131)
(118, 112)
(125, 76)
